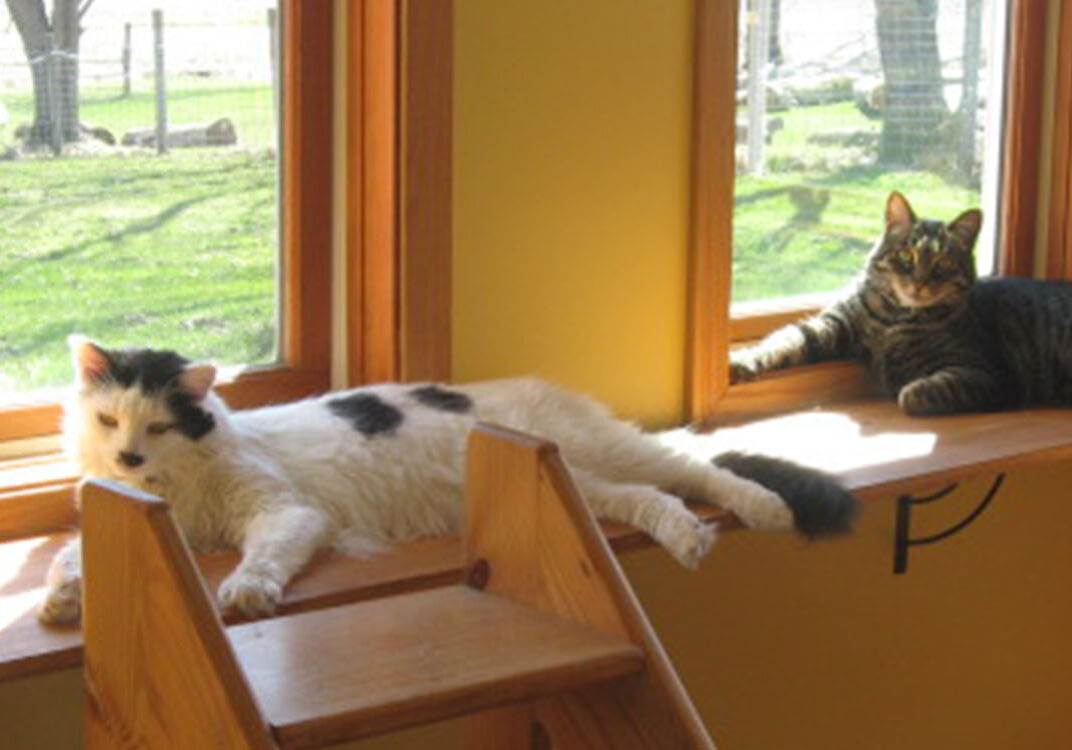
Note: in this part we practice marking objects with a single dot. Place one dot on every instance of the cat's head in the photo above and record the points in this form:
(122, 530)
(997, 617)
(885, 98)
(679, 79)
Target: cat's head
(133, 409)
(918, 262)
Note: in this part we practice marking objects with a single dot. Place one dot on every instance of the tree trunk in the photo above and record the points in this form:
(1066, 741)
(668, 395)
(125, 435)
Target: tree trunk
(774, 28)
(32, 25)
(66, 34)
(914, 108)
(55, 45)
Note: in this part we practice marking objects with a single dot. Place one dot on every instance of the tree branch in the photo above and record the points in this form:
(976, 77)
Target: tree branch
(84, 8)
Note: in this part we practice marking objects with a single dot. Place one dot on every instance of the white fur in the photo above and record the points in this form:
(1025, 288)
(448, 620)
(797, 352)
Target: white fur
(280, 482)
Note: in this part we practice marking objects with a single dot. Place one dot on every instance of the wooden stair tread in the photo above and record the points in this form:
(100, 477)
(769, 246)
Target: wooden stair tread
(366, 668)
(27, 647)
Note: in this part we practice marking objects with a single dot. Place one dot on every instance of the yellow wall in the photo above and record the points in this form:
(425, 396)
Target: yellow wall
(571, 185)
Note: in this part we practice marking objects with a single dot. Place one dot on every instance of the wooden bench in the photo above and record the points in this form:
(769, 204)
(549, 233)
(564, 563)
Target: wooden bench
(541, 644)
(880, 454)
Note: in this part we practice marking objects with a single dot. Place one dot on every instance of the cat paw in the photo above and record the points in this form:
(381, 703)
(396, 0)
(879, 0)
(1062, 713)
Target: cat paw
(915, 400)
(742, 370)
(250, 593)
(764, 510)
(689, 540)
(62, 604)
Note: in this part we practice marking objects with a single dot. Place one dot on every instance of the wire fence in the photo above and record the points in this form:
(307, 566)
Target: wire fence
(918, 71)
(136, 83)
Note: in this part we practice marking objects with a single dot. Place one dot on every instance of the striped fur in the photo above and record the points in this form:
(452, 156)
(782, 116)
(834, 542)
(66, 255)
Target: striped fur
(931, 335)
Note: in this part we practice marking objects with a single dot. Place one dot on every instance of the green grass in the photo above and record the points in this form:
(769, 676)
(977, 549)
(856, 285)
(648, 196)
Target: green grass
(808, 223)
(136, 250)
(189, 101)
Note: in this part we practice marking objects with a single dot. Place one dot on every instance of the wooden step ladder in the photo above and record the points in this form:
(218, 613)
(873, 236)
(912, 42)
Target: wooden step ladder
(543, 645)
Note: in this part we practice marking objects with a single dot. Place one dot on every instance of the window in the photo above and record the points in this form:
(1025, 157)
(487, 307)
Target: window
(392, 198)
(194, 247)
(851, 99)
(836, 109)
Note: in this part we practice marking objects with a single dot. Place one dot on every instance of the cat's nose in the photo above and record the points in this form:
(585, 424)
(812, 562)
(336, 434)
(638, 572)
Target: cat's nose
(133, 460)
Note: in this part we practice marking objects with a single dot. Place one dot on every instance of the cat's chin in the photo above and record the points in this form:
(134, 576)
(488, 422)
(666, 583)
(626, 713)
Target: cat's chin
(907, 299)
(133, 478)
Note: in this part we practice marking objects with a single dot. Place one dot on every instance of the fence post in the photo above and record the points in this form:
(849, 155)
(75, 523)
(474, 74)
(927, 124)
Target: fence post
(161, 91)
(969, 98)
(126, 60)
(758, 52)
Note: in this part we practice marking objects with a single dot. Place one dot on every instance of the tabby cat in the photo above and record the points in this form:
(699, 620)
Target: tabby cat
(930, 334)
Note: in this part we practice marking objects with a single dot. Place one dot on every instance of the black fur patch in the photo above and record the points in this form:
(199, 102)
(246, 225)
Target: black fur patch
(821, 505)
(190, 419)
(151, 370)
(442, 399)
(370, 415)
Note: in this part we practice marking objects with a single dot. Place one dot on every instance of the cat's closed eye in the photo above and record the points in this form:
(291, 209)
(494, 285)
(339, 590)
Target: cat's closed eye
(107, 420)
(158, 428)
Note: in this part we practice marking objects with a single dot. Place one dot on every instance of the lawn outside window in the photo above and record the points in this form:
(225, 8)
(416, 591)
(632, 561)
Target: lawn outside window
(788, 195)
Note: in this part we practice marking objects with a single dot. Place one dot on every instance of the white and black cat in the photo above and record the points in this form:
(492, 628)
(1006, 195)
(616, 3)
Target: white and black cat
(361, 469)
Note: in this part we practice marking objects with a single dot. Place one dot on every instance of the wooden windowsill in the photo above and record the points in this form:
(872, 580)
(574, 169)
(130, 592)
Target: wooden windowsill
(876, 450)
(879, 452)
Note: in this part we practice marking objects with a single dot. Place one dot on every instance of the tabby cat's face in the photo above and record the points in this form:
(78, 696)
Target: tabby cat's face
(920, 263)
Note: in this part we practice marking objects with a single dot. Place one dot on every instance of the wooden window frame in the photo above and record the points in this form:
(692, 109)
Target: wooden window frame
(709, 396)
(398, 229)
(1058, 255)
(305, 239)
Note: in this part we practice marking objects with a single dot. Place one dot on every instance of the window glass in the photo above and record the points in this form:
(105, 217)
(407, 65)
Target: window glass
(109, 231)
(852, 99)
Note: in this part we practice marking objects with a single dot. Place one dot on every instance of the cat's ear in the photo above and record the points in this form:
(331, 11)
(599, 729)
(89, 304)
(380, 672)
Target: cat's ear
(965, 228)
(899, 214)
(91, 363)
(196, 380)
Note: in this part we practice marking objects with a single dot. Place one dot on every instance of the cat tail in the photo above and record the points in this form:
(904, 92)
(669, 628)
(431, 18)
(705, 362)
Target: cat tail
(820, 503)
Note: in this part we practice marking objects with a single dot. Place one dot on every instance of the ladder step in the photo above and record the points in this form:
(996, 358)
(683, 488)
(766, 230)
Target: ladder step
(361, 669)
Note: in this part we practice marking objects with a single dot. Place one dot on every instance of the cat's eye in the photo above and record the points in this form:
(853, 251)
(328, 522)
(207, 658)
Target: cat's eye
(107, 420)
(905, 256)
(158, 428)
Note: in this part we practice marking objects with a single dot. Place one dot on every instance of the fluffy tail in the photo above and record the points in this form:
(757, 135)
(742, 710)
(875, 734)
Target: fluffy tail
(820, 503)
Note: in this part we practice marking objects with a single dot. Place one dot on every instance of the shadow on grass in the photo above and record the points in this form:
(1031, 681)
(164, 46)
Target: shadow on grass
(142, 226)
(801, 247)
(94, 187)
(56, 332)
(808, 204)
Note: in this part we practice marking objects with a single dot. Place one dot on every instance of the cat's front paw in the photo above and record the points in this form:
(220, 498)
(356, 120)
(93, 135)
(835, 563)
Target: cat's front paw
(63, 603)
(252, 593)
(917, 399)
(742, 368)
(690, 540)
